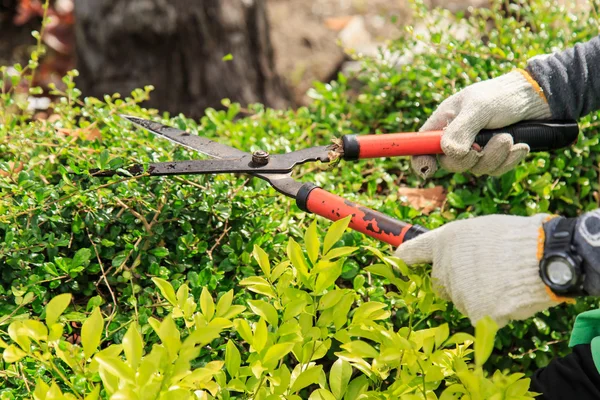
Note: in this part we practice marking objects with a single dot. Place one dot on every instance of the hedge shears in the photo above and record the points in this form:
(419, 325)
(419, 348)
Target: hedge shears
(277, 168)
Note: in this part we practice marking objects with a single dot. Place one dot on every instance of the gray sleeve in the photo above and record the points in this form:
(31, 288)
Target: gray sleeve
(570, 79)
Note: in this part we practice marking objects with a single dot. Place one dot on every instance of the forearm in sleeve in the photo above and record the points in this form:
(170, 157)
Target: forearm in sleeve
(570, 79)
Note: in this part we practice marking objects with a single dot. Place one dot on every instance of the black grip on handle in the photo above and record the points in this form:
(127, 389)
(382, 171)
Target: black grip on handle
(539, 135)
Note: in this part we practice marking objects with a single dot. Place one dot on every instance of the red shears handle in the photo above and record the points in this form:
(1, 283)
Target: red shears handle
(539, 135)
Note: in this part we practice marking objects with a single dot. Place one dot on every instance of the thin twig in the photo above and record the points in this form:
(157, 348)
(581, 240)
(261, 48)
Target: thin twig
(225, 231)
(112, 295)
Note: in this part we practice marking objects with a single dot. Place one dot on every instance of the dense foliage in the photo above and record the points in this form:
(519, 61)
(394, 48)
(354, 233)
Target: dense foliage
(108, 243)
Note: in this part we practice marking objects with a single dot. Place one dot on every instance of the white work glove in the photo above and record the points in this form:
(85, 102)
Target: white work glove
(490, 104)
(486, 265)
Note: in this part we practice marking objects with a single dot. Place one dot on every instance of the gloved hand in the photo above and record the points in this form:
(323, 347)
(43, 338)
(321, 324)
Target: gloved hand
(491, 104)
(486, 265)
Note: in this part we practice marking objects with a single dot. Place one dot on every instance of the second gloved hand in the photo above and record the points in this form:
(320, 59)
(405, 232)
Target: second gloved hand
(486, 265)
(490, 104)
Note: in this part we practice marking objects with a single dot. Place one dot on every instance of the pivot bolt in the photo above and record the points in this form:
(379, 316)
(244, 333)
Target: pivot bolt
(260, 157)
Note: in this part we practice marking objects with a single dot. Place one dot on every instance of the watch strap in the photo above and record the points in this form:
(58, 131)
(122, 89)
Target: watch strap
(562, 237)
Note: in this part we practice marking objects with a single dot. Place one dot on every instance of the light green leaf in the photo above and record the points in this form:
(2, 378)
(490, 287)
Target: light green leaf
(261, 334)
(485, 332)
(94, 394)
(339, 252)
(232, 359)
(382, 270)
(279, 270)
(41, 389)
(166, 289)
(116, 367)
(206, 304)
(331, 298)
(328, 277)
(360, 349)
(259, 285)
(295, 255)
(321, 394)
(311, 241)
(265, 310)
(224, 303)
(13, 354)
(170, 336)
(243, 329)
(441, 334)
(339, 376)
(357, 387)
(133, 345)
(91, 332)
(459, 338)
(335, 232)
(306, 378)
(262, 259)
(35, 330)
(182, 295)
(233, 311)
(56, 307)
(277, 352)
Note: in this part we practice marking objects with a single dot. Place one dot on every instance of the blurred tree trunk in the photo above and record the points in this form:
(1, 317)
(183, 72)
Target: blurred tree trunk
(178, 46)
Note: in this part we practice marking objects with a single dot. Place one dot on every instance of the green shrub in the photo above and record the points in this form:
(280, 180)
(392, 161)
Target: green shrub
(104, 241)
(302, 337)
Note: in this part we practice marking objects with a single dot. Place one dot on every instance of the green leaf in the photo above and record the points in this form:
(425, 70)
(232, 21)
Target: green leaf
(485, 332)
(243, 329)
(339, 252)
(265, 310)
(116, 367)
(224, 303)
(277, 352)
(82, 257)
(182, 295)
(306, 378)
(335, 232)
(328, 277)
(295, 255)
(360, 349)
(56, 307)
(339, 376)
(166, 289)
(261, 334)
(13, 354)
(170, 336)
(262, 259)
(91, 332)
(321, 394)
(232, 359)
(206, 304)
(311, 241)
(227, 57)
(331, 298)
(357, 387)
(94, 394)
(133, 345)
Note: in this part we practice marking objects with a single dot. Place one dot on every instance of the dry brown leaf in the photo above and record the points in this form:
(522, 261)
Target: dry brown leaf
(338, 23)
(13, 169)
(86, 134)
(425, 200)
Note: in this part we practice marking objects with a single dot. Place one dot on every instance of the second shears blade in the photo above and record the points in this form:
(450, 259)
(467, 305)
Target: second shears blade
(183, 138)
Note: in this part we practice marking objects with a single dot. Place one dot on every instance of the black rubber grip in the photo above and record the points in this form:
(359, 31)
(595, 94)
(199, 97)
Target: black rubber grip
(351, 147)
(302, 196)
(539, 135)
(414, 231)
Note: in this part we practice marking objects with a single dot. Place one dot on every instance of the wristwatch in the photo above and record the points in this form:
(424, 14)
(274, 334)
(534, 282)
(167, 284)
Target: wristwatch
(561, 268)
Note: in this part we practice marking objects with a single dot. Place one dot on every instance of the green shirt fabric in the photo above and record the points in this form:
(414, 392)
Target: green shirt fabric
(587, 331)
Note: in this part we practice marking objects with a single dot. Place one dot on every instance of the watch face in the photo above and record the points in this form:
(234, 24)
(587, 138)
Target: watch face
(559, 271)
